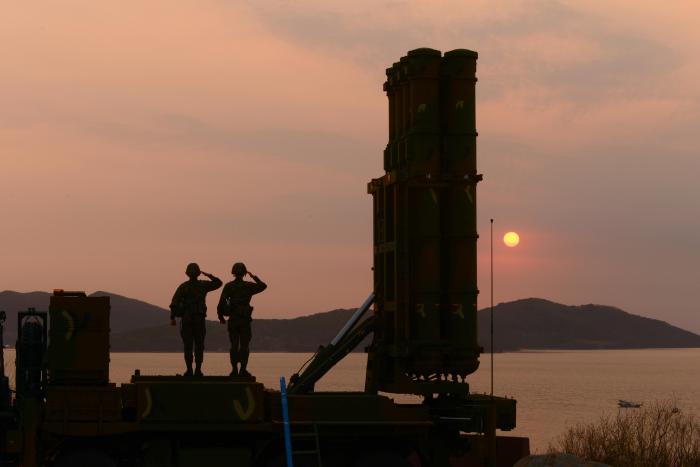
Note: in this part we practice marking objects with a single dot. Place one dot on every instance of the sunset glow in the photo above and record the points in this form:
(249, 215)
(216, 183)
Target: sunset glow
(156, 135)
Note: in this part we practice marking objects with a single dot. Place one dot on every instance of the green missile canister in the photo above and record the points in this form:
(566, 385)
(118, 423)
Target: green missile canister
(459, 260)
(401, 113)
(424, 245)
(458, 111)
(459, 210)
(424, 84)
(393, 94)
(390, 94)
(423, 112)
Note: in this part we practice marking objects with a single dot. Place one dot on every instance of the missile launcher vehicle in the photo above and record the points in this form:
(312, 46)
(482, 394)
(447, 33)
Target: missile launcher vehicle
(64, 411)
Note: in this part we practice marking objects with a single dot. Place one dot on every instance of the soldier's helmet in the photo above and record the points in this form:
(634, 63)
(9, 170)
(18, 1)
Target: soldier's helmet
(192, 270)
(239, 269)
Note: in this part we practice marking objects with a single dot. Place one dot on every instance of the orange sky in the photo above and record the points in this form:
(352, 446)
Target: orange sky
(138, 136)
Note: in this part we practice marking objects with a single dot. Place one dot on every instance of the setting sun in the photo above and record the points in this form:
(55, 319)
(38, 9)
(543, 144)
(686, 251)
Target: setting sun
(511, 239)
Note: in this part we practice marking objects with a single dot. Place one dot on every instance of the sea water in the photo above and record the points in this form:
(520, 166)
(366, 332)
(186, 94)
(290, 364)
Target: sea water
(554, 389)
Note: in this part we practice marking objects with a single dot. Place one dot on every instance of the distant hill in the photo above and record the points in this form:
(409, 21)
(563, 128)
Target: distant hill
(535, 323)
(141, 327)
(523, 324)
(127, 314)
(302, 334)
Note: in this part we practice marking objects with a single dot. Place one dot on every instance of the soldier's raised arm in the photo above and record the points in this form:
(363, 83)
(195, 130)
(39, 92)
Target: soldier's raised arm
(258, 286)
(213, 283)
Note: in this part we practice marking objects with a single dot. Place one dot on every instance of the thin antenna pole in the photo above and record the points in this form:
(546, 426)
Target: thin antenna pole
(491, 431)
(491, 308)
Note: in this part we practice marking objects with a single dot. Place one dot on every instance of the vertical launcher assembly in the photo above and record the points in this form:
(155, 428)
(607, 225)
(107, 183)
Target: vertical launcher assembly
(425, 334)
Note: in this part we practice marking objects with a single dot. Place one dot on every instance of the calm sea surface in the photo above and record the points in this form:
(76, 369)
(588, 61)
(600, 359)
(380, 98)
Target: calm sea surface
(554, 389)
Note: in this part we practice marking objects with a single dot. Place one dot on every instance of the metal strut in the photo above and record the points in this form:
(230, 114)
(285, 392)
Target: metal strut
(347, 339)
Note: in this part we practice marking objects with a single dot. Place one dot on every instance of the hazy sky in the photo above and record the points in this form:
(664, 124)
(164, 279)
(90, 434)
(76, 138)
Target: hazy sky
(138, 136)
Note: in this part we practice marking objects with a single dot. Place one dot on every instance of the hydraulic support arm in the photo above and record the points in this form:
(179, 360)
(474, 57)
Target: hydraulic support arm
(326, 357)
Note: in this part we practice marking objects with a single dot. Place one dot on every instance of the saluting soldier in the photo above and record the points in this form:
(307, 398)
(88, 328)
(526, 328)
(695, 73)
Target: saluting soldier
(235, 304)
(189, 304)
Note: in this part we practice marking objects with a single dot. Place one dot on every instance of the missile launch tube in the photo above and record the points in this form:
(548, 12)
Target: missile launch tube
(354, 318)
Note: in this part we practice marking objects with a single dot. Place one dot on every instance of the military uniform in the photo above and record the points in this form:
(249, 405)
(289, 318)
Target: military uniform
(235, 303)
(189, 302)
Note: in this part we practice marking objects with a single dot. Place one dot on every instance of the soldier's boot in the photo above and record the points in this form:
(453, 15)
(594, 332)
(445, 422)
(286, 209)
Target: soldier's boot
(233, 356)
(244, 364)
(188, 362)
(198, 354)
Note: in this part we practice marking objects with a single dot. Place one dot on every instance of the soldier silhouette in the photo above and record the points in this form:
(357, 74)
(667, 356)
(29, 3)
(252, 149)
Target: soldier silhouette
(189, 305)
(235, 304)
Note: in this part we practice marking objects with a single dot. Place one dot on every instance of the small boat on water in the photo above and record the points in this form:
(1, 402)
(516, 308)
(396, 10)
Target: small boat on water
(628, 405)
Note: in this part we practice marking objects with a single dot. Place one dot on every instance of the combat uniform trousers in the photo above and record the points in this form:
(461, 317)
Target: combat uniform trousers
(239, 333)
(193, 329)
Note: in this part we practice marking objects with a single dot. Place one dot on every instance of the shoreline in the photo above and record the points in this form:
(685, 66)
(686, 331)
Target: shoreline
(521, 351)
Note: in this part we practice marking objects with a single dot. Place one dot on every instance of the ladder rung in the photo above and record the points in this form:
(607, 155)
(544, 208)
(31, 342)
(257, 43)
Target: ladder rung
(307, 435)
